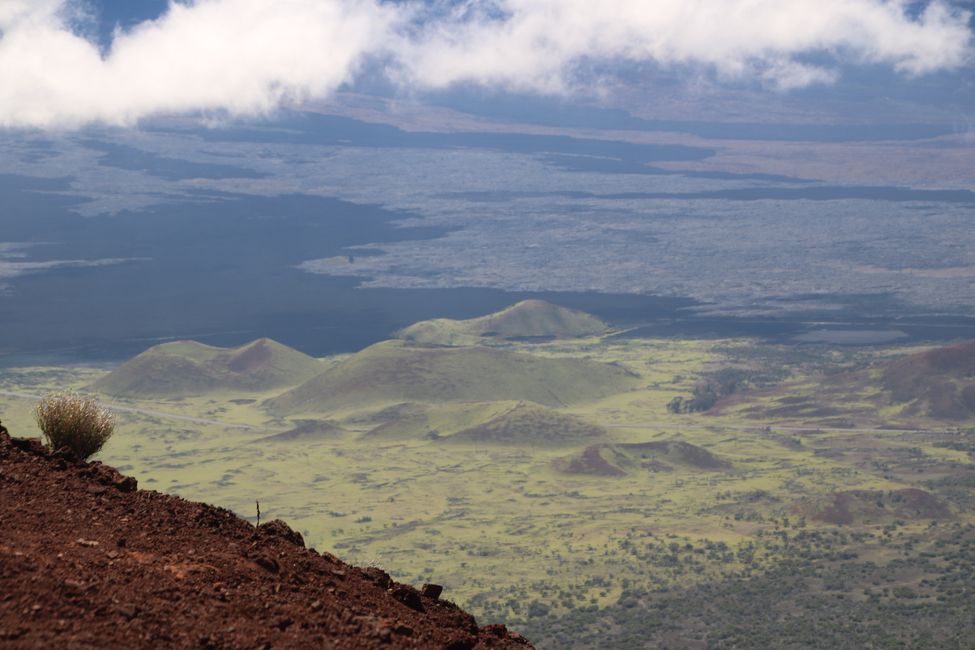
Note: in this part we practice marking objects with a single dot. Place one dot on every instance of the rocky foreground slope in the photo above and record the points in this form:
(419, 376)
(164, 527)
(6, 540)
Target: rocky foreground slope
(87, 560)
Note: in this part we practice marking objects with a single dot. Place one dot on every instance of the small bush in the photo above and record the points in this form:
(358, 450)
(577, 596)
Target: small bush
(74, 421)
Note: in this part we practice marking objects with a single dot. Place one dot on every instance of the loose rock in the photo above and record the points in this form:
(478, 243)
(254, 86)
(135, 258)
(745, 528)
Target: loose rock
(126, 597)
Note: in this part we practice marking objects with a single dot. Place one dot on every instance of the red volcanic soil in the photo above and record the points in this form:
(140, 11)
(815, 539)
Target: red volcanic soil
(86, 560)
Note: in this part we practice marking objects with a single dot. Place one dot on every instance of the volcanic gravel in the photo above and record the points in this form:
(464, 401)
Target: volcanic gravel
(87, 560)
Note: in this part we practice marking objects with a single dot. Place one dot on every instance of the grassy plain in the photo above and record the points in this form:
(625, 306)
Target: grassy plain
(515, 534)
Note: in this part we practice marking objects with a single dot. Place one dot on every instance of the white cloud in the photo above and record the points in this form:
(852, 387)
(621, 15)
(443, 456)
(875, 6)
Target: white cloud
(14, 13)
(248, 56)
(537, 42)
(239, 56)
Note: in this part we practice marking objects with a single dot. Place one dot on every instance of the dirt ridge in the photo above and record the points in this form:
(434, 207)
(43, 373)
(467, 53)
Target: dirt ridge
(88, 560)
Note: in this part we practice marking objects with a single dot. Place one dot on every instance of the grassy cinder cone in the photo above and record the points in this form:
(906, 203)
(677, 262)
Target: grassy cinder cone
(74, 421)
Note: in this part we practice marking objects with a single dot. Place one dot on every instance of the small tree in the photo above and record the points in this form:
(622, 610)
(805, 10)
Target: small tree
(74, 421)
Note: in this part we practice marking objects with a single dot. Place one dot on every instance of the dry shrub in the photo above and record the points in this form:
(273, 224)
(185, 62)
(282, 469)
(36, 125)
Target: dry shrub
(74, 421)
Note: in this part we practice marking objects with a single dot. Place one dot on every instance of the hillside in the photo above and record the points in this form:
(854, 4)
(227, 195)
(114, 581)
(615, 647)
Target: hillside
(416, 420)
(931, 386)
(939, 383)
(530, 424)
(529, 319)
(508, 422)
(89, 561)
(658, 456)
(393, 372)
(873, 506)
(188, 368)
(305, 431)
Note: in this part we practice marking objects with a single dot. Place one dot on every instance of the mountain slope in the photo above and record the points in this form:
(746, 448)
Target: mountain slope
(508, 423)
(88, 561)
(185, 368)
(658, 456)
(525, 320)
(419, 420)
(936, 385)
(530, 424)
(307, 431)
(939, 383)
(392, 372)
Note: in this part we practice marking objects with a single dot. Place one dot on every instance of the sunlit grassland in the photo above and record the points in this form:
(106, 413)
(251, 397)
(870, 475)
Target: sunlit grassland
(501, 525)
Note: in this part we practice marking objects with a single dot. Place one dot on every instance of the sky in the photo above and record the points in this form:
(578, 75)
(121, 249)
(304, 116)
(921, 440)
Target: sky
(66, 64)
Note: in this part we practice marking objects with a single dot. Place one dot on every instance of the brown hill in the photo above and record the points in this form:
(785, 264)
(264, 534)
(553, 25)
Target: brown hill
(307, 431)
(530, 424)
(873, 506)
(939, 383)
(591, 461)
(185, 368)
(608, 459)
(913, 390)
(87, 561)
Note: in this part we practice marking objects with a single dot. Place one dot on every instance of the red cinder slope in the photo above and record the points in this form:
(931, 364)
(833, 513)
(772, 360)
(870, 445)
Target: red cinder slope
(86, 560)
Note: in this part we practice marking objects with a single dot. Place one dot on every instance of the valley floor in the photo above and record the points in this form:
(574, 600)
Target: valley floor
(607, 536)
